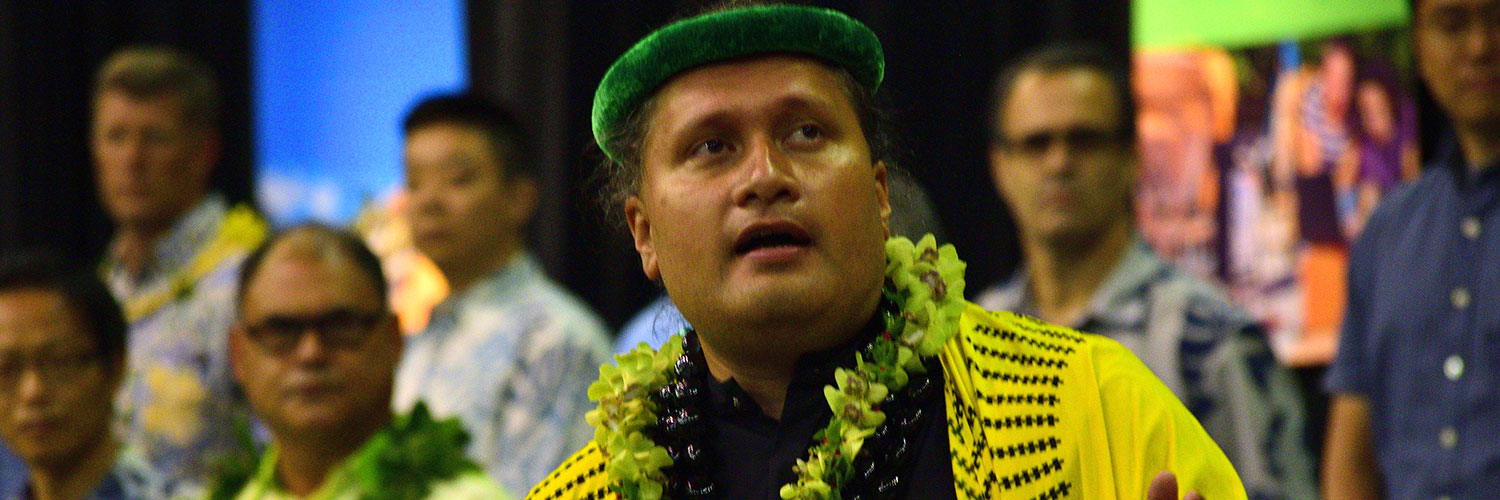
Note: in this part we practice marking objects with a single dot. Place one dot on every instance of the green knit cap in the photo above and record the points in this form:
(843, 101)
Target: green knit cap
(826, 34)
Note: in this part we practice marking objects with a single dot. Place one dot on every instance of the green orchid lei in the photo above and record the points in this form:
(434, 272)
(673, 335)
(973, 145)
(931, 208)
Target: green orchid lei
(923, 280)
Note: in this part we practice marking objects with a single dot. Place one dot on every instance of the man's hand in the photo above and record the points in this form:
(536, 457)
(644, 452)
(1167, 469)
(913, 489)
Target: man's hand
(1164, 487)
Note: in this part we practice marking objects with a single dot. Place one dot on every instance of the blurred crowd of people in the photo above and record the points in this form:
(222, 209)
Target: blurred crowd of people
(425, 350)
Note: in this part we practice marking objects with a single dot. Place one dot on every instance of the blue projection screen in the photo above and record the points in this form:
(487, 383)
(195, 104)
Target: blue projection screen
(331, 82)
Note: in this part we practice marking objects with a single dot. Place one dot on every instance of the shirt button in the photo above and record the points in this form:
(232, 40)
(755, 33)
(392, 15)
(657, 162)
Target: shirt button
(1448, 438)
(1453, 367)
(1470, 227)
(1460, 297)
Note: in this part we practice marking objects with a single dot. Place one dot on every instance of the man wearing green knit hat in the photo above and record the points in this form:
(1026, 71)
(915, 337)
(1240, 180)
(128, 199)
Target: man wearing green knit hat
(828, 361)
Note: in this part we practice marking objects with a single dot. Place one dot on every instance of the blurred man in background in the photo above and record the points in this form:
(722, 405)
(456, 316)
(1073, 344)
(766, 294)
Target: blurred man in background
(62, 357)
(1415, 412)
(1063, 159)
(174, 254)
(509, 352)
(316, 350)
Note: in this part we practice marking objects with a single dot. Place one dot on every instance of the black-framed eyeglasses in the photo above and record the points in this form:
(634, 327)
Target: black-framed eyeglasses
(50, 366)
(341, 329)
(1082, 140)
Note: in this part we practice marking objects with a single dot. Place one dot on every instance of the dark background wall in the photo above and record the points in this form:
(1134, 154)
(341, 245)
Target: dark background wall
(48, 54)
(544, 58)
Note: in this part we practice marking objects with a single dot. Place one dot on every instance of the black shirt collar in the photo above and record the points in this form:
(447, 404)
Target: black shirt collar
(804, 395)
(1450, 157)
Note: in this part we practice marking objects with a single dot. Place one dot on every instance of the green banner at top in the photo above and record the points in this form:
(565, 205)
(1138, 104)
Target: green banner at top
(1245, 23)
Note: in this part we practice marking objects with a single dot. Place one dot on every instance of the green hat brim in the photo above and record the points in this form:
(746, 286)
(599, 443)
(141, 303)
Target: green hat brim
(823, 33)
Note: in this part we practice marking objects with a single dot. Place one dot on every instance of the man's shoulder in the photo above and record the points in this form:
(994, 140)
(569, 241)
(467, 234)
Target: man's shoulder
(1203, 303)
(1021, 334)
(581, 476)
(564, 303)
(1404, 202)
(1004, 294)
(1031, 349)
(1093, 411)
(239, 231)
(472, 485)
(534, 314)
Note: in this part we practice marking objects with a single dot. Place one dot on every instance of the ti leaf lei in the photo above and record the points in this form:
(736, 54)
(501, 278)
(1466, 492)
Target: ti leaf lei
(421, 451)
(923, 280)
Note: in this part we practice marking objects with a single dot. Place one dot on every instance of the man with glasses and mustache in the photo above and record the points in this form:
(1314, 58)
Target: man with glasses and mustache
(315, 350)
(1063, 159)
(1415, 410)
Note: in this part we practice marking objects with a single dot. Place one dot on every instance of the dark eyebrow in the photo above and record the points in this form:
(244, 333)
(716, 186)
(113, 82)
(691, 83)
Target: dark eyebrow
(795, 101)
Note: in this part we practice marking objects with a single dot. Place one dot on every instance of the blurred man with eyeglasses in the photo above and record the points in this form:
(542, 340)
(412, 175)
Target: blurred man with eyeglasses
(1414, 408)
(1064, 159)
(62, 357)
(315, 349)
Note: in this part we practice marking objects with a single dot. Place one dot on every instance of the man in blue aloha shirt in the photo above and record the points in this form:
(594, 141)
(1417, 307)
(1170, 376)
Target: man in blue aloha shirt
(173, 258)
(509, 352)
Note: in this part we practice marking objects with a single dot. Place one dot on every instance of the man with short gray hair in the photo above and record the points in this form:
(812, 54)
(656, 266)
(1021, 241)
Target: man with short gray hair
(173, 257)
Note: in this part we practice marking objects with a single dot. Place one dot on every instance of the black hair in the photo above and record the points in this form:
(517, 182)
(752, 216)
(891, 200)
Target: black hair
(80, 289)
(1067, 56)
(507, 137)
(343, 241)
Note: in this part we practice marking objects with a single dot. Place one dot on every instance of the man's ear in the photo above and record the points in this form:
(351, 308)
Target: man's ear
(997, 162)
(883, 196)
(390, 333)
(640, 232)
(210, 147)
(237, 353)
(523, 195)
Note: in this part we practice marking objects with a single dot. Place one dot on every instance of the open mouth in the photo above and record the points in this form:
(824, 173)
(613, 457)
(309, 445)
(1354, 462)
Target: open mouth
(771, 235)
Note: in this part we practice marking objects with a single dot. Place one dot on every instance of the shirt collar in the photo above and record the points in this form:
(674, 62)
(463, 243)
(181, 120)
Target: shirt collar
(500, 286)
(190, 233)
(804, 395)
(1450, 156)
(110, 487)
(1138, 267)
(339, 479)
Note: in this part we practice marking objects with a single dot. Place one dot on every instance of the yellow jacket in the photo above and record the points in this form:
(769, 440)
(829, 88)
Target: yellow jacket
(1034, 411)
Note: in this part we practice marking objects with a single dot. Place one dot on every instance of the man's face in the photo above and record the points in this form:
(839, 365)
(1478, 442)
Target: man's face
(315, 349)
(56, 392)
(1458, 55)
(1061, 161)
(463, 206)
(759, 203)
(149, 165)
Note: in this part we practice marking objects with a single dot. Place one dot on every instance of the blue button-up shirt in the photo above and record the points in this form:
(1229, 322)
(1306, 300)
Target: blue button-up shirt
(1419, 336)
(512, 356)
